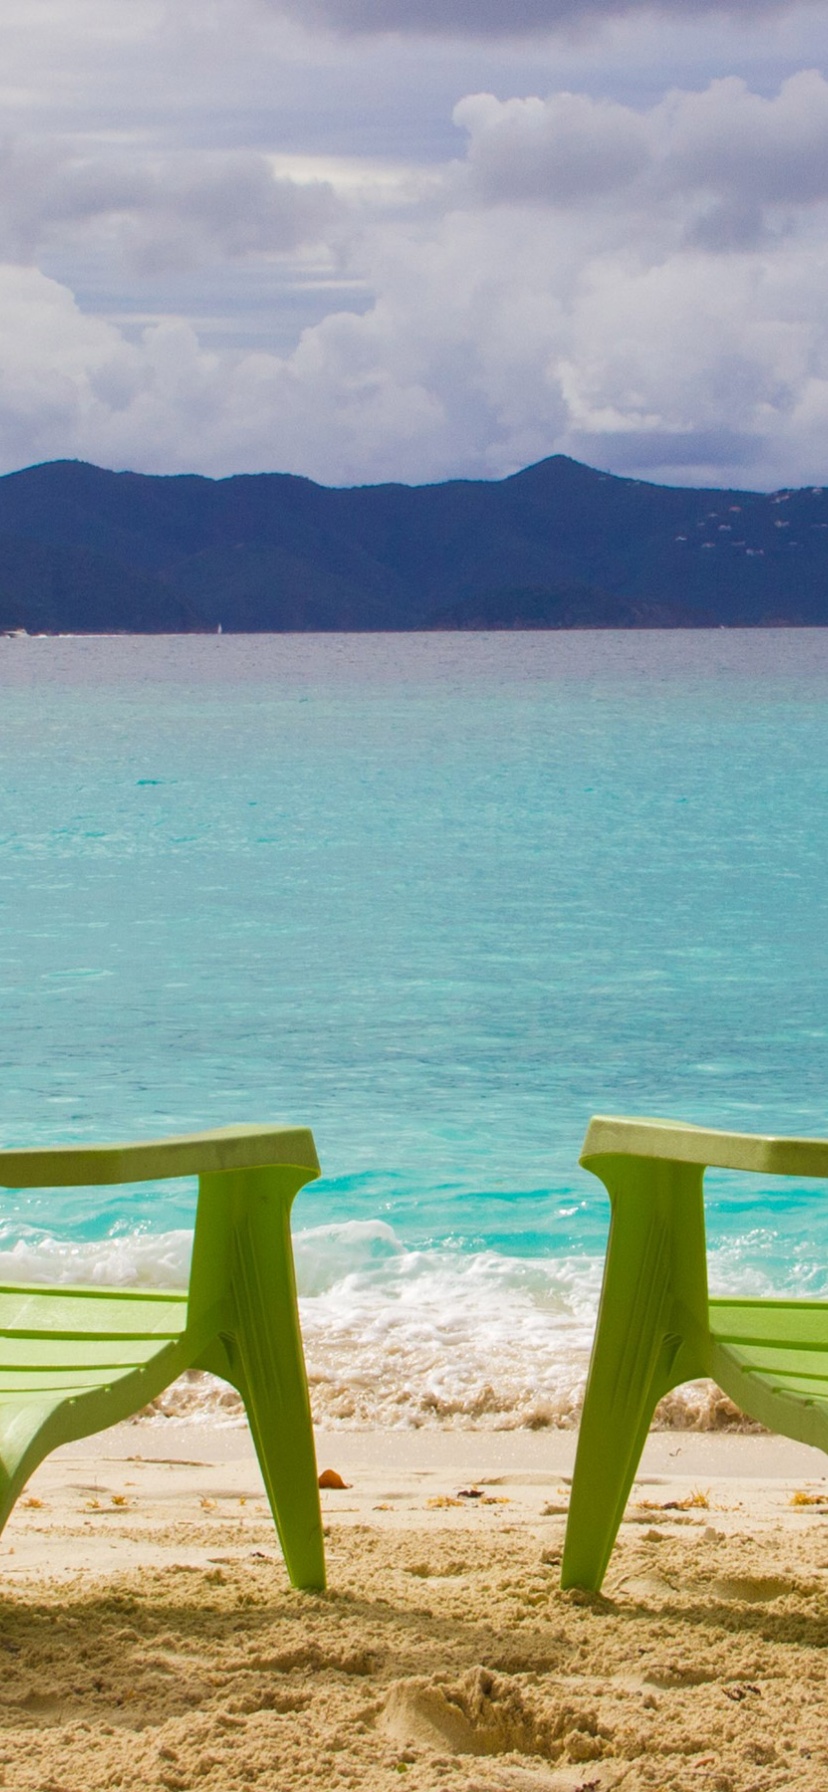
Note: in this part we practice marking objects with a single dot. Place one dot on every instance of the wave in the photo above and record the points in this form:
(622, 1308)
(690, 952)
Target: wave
(404, 1338)
(124, 1260)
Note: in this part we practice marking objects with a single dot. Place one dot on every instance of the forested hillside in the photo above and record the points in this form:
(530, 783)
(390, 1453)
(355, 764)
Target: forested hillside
(558, 545)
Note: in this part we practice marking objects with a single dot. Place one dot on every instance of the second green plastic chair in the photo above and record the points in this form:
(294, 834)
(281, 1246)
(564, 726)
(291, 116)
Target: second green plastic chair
(657, 1327)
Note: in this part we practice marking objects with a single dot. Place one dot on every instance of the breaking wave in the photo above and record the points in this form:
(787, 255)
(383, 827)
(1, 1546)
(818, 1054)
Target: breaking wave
(399, 1337)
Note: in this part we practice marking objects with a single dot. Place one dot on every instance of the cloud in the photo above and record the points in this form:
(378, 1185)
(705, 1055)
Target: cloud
(492, 19)
(55, 365)
(76, 386)
(158, 213)
(766, 150)
(735, 151)
(630, 449)
(633, 286)
(558, 151)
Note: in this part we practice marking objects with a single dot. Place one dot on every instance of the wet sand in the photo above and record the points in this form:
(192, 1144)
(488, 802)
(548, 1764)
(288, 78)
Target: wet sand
(150, 1638)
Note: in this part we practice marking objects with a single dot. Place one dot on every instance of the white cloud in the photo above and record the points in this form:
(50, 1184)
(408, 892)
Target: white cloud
(75, 386)
(642, 287)
(742, 149)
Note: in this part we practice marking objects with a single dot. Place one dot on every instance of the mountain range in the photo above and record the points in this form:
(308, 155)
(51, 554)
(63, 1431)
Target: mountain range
(558, 545)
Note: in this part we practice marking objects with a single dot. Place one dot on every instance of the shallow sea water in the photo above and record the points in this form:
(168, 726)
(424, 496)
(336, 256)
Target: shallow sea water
(440, 897)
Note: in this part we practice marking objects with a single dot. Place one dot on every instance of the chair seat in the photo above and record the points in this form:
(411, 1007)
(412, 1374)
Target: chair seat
(780, 1346)
(770, 1324)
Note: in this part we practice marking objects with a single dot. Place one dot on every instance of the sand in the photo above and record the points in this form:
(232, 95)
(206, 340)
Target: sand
(149, 1637)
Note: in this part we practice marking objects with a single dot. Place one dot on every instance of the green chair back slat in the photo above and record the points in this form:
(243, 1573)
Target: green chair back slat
(76, 1359)
(808, 1388)
(15, 1381)
(769, 1321)
(108, 1314)
(48, 1350)
(780, 1359)
(657, 1326)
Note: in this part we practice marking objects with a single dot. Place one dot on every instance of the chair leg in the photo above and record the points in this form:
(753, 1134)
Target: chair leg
(276, 1391)
(24, 1442)
(611, 1441)
(651, 1326)
(243, 1260)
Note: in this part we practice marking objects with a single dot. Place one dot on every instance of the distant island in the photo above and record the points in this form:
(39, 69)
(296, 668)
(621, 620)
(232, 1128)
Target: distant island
(559, 545)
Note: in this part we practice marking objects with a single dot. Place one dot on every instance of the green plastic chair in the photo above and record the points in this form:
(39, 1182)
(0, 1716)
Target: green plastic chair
(657, 1326)
(75, 1360)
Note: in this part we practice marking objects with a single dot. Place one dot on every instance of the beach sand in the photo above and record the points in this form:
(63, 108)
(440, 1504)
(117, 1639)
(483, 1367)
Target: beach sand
(149, 1637)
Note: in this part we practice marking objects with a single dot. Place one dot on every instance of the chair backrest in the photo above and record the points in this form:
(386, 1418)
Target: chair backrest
(222, 1152)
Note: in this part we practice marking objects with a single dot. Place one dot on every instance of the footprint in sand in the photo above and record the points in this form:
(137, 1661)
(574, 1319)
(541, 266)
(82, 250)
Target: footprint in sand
(752, 1590)
(488, 1714)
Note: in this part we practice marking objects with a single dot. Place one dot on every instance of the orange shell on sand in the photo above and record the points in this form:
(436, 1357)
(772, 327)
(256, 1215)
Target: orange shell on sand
(330, 1478)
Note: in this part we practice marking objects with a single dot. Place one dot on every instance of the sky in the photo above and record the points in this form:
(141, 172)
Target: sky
(369, 240)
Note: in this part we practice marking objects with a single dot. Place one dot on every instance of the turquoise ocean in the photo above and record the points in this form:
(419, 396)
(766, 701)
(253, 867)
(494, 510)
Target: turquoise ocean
(439, 897)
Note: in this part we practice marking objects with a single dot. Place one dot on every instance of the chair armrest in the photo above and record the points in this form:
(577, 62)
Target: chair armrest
(189, 1154)
(679, 1142)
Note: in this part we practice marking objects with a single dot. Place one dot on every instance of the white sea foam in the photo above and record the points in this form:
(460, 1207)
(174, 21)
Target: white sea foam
(418, 1336)
(402, 1337)
(128, 1260)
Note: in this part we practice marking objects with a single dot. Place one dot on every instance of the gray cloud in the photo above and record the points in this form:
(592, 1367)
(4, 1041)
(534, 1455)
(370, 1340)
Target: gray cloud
(161, 213)
(693, 450)
(729, 225)
(558, 151)
(729, 152)
(493, 19)
(767, 150)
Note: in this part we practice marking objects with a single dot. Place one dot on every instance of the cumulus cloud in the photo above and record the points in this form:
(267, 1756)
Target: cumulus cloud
(76, 386)
(490, 18)
(766, 150)
(563, 150)
(736, 150)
